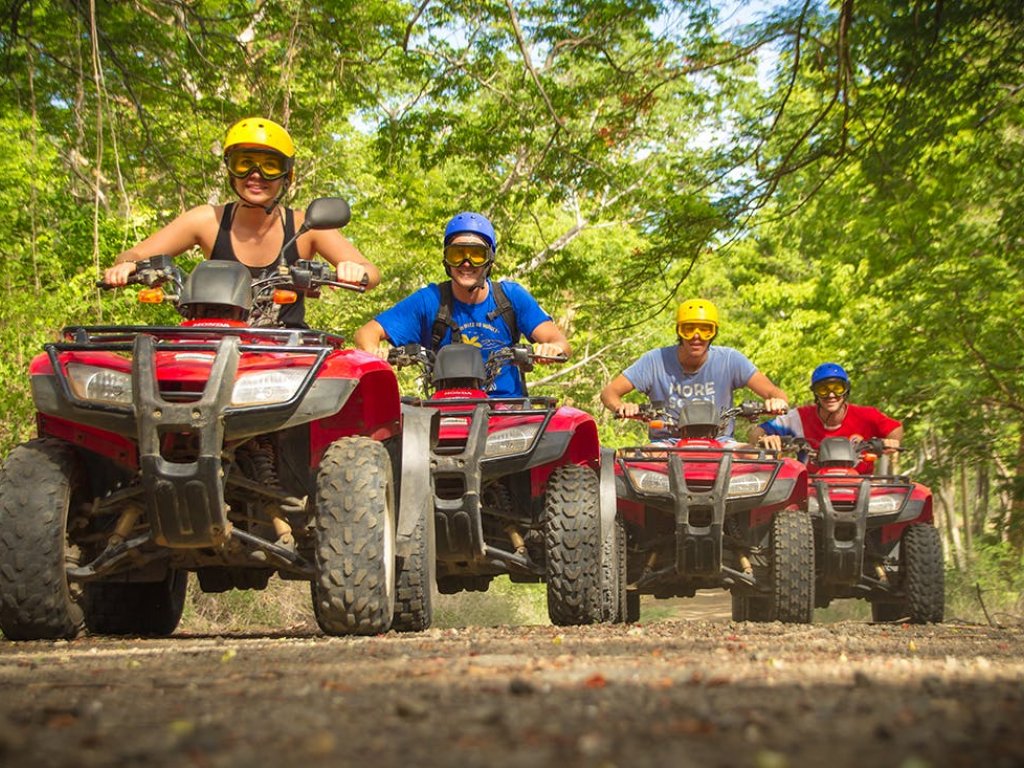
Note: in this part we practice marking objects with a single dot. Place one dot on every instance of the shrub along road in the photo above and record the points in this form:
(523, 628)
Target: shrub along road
(707, 693)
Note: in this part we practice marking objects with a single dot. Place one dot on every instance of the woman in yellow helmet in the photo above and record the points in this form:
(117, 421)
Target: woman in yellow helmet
(260, 159)
(692, 370)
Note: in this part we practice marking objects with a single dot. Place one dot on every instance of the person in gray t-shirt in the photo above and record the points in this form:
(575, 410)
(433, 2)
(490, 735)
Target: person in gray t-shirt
(692, 370)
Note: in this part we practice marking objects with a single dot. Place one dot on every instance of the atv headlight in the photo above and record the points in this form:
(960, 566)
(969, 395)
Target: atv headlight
(649, 481)
(505, 442)
(749, 484)
(886, 503)
(264, 387)
(101, 385)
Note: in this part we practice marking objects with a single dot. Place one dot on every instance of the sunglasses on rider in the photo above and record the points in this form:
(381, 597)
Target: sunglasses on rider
(476, 255)
(704, 331)
(825, 388)
(271, 165)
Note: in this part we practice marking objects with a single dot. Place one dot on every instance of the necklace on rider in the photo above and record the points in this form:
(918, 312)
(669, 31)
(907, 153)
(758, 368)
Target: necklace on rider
(841, 413)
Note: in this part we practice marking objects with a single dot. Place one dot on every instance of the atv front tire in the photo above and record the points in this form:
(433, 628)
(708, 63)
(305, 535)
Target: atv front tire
(924, 578)
(41, 482)
(354, 588)
(572, 537)
(792, 569)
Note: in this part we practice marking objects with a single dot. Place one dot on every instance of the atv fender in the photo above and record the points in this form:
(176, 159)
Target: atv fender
(609, 506)
(419, 436)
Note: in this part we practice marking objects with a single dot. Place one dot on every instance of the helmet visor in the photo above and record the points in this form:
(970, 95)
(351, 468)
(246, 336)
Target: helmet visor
(243, 162)
(703, 331)
(836, 387)
(476, 255)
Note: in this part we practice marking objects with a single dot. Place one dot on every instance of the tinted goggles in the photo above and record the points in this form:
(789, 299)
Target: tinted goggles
(476, 255)
(271, 165)
(828, 387)
(703, 331)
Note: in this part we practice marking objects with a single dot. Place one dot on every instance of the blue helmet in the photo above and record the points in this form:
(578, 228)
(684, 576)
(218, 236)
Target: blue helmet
(474, 224)
(827, 372)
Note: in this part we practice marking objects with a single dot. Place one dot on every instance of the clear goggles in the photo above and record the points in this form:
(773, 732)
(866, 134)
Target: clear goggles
(476, 255)
(243, 162)
(703, 331)
(836, 387)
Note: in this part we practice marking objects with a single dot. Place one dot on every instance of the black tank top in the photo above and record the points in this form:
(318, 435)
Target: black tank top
(290, 315)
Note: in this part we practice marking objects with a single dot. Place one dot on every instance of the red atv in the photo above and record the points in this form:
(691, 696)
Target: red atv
(232, 451)
(700, 514)
(875, 536)
(515, 484)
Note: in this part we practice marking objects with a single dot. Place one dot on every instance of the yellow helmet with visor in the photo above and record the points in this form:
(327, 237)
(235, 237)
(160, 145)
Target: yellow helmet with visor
(257, 144)
(697, 318)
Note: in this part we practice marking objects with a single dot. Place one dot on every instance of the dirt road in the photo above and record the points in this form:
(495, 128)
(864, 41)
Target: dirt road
(698, 692)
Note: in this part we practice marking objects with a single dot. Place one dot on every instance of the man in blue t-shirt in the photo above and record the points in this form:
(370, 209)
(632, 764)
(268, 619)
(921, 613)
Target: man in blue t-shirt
(692, 370)
(476, 308)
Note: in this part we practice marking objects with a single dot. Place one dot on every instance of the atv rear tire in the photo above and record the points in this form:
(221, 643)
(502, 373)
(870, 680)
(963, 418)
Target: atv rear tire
(136, 608)
(747, 608)
(887, 612)
(792, 569)
(572, 537)
(613, 573)
(354, 587)
(41, 482)
(414, 582)
(632, 607)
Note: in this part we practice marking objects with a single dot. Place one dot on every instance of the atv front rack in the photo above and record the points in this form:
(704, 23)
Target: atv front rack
(841, 507)
(460, 467)
(186, 497)
(695, 485)
(85, 336)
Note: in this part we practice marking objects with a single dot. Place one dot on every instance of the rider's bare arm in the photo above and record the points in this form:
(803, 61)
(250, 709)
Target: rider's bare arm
(548, 340)
(613, 393)
(370, 338)
(174, 239)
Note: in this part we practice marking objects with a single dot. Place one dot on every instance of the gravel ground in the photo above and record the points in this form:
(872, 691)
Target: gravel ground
(701, 692)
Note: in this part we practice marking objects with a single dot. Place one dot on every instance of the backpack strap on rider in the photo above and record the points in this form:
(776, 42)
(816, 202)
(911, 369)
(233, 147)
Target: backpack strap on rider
(443, 321)
(503, 308)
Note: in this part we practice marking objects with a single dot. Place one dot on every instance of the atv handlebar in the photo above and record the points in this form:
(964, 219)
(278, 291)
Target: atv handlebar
(151, 273)
(410, 354)
(650, 412)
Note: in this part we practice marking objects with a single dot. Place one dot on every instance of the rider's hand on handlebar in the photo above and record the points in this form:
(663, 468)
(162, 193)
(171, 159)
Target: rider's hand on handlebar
(381, 351)
(119, 273)
(776, 405)
(627, 410)
(352, 272)
(771, 442)
(891, 445)
(545, 352)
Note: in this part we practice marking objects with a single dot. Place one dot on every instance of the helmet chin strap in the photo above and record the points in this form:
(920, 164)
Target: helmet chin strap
(267, 209)
(481, 281)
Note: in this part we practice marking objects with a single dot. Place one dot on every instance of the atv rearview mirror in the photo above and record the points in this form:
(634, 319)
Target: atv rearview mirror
(322, 213)
(327, 213)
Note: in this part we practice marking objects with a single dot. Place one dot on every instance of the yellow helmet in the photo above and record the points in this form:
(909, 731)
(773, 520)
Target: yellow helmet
(261, 132)
(697, 311)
